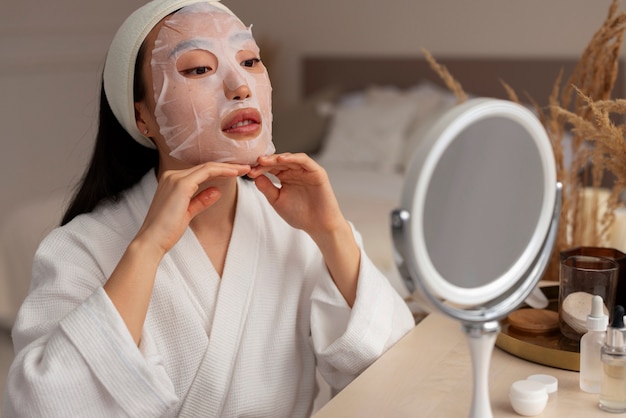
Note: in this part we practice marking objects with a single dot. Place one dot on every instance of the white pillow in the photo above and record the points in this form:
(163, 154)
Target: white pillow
(370, 134)
(422, 124)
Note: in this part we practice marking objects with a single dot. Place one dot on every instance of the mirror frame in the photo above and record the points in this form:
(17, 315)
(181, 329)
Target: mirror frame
(497, 298)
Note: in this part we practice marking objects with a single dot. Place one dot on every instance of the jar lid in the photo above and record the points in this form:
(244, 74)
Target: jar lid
(551, 382)
(530, 390)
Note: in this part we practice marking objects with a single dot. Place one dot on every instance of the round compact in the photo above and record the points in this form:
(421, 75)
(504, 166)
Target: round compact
(534, 321)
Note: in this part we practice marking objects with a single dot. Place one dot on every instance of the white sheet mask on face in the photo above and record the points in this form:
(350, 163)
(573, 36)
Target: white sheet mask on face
(213, 100)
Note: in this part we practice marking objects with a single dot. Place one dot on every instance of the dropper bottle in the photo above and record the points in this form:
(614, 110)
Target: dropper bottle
(591, 346)
(613, 387)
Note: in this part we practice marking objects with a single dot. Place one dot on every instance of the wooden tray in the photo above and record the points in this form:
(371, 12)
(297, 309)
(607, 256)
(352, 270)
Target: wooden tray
(552, 350)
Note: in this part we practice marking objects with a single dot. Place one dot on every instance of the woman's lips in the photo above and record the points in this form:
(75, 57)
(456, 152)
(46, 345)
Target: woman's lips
(242, 124)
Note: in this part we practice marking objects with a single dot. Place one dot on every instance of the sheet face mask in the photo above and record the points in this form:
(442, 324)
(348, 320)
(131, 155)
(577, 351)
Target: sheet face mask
(213, 98)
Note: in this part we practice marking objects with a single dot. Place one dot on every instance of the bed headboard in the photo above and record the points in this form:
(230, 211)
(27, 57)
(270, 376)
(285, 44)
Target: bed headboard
(478, 76)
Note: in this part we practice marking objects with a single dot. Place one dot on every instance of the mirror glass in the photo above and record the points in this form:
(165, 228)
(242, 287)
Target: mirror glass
(468, 208)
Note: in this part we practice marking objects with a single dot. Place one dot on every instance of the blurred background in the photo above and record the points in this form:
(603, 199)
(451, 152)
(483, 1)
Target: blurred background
(52, 55)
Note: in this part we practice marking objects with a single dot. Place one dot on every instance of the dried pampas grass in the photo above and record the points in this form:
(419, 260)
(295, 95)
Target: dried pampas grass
(450, 82)
(597, 143)
(582, 110)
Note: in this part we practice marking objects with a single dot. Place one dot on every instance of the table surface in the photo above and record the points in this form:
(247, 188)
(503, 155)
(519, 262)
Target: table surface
(429, 374)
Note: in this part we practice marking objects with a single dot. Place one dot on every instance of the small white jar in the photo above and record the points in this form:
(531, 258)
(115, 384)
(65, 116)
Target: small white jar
(528, 397)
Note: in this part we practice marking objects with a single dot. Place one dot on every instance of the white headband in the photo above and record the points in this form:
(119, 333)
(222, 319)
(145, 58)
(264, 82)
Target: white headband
(119, 68)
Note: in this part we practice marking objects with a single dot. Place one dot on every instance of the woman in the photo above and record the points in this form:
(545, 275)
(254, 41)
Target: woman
(175, 287)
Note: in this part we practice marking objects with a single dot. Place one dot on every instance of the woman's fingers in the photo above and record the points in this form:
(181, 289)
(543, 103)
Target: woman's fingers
(268, 189)
(186, 183)
(290, 167)
(183, 194)
(204, 172)
(203, 200)
(284, 161)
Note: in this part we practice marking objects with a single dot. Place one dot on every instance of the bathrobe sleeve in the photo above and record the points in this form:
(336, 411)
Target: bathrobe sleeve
(346, 341)
(70, 339)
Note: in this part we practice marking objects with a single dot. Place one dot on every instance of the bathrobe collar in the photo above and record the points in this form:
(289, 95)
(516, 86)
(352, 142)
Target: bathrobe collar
(227, 309)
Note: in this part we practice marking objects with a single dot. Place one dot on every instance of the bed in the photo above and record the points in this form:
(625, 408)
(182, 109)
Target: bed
(360, 117)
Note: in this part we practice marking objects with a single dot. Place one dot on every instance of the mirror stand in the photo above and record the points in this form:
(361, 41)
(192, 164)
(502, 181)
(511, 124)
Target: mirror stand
(481, 338)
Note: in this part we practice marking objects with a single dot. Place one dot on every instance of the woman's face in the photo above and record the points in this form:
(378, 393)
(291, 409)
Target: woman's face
(212, 94)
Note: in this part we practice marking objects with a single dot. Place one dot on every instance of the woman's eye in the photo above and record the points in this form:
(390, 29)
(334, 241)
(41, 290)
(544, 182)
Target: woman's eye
(197, 71)
(196, 63)
(251, 62)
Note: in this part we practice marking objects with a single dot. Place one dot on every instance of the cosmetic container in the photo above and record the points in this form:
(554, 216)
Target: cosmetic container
(591, 343)
(613, 386)
(528, 397)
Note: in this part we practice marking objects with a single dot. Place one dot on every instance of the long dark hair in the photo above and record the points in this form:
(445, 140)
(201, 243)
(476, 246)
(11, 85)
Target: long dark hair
(118, 162)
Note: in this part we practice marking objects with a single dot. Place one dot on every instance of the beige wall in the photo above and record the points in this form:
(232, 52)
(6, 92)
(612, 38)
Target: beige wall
(52, 54)
(403, 27)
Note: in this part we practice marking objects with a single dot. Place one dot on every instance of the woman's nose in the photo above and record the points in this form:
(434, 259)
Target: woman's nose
(241, 92)
(235, 85)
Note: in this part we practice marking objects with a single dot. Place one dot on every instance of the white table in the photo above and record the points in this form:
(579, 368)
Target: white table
(429, 374)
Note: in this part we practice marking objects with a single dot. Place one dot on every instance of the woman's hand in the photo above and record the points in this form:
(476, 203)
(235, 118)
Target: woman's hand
(305, 200)
(179, 198)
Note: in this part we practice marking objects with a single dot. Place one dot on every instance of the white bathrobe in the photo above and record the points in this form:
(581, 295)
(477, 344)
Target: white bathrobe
(243, 345)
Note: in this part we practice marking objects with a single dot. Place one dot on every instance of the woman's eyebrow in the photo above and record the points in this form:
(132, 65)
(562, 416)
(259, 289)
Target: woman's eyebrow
(191, 44)
(242, 36)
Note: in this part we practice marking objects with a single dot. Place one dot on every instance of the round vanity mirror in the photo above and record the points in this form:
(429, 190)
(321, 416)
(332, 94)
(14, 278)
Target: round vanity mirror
(478, 219)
